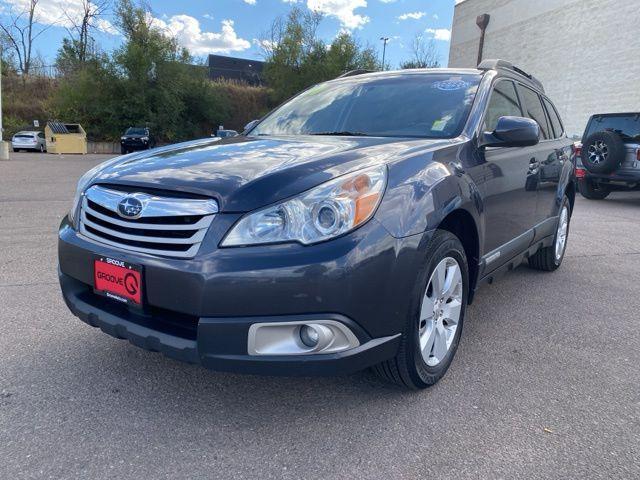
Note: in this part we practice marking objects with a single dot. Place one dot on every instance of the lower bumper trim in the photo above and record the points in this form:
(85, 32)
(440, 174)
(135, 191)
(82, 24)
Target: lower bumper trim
(221, 343)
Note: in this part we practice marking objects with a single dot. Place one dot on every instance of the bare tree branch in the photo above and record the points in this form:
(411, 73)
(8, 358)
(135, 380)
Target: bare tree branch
(425, 53)
(20, 34)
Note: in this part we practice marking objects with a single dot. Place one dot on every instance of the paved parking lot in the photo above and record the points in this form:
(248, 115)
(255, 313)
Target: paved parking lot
(546, 383)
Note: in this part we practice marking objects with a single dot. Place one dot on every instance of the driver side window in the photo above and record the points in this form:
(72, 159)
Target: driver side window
(503, 103)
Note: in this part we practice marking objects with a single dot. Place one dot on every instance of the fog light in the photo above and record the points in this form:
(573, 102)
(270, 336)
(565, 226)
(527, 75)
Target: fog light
(309, 336)
(300, 337)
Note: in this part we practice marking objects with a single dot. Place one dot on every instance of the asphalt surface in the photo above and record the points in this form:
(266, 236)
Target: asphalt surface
(546, 382)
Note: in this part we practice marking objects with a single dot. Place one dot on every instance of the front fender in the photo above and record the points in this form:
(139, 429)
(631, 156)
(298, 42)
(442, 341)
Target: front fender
(421, 192)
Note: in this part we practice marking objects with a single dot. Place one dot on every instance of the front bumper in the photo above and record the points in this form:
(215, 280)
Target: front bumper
(134, 145)
(200, 310)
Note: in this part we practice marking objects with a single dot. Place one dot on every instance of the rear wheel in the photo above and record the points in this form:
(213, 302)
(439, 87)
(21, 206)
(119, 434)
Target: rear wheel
(550, 258)
(592, 190)
(432, 331)
(16, 150)
(41, 148)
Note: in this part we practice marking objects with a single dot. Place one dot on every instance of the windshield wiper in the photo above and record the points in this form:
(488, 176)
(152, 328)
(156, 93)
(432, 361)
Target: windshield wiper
(342, 134)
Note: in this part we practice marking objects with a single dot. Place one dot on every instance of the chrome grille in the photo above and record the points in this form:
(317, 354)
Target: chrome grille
(167, 226)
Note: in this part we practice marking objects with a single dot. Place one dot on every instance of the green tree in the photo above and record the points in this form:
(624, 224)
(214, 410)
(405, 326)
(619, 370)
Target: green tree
(296, 58)
(148, 81)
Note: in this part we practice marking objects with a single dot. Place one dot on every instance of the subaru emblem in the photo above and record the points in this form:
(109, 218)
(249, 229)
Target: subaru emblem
(130, 207)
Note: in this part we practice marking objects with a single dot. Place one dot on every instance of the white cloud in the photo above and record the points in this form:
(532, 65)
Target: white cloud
(250, 2)
(208, 16)
(343, 10)
(62, 13)
(264, 44)
(189, 34)
(435, 16)
(440, 33)
(388, 1)
(412, 16)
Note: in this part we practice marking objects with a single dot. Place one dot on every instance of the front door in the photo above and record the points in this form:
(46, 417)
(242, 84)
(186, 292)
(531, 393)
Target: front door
(508, 180)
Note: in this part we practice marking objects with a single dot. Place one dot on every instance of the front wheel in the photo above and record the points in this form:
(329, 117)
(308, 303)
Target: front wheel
(433, 328)
(592, 190)
(550, 258)
(123, 151)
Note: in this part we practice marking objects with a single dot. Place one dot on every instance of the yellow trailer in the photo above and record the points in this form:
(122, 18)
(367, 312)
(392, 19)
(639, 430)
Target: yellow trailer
(65, 138)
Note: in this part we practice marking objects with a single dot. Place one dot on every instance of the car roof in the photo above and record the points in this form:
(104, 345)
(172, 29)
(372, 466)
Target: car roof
(408, 71)
(33, 132)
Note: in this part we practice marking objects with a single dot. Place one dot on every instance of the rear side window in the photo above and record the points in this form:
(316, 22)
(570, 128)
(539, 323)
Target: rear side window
(503, 103)
(627, 126)
(554, 118)
(534, 110)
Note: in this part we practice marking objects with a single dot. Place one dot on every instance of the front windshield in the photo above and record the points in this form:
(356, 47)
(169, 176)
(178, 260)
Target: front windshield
(429, 105)
(136, 131)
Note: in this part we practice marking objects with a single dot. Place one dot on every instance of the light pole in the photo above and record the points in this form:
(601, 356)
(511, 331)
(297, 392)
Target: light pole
(384, 49)
(4, 147)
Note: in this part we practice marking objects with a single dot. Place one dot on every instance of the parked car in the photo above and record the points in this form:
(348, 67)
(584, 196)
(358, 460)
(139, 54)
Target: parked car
(29, 140)
(349, 228)
(225, 133)
(136, 138)
(609, 155)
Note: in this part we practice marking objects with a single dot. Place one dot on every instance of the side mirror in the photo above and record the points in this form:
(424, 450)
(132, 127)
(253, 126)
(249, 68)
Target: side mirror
(250, 125)
(512, 132)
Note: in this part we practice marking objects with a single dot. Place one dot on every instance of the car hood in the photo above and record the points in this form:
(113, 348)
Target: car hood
(245, 173)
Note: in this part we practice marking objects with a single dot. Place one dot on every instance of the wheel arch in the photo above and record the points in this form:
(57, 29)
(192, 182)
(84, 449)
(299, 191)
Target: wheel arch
(462, 224)
(570, 192)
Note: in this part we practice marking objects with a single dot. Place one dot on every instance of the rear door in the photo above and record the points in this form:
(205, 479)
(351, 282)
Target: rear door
(549, 155)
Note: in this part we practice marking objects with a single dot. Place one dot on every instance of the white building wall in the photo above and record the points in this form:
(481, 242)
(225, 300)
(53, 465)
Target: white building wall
(585, 52)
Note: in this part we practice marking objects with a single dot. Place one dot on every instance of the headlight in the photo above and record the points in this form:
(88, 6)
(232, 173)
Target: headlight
(123, 138)
(144, 139)
(83, 183)
(324, 212)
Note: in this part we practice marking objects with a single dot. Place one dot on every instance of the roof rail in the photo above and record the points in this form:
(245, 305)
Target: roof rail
(493, 63)
(353, 73)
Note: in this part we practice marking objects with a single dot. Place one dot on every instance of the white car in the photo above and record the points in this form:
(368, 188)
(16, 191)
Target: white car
(35, 141)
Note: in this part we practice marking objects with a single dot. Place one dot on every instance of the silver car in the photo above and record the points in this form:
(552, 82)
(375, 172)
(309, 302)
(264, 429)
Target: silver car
(26, 140)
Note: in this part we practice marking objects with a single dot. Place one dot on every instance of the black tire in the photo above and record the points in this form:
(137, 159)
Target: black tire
(546, 259)
(603, 152)
(42, 149)
(593, 190)
(16, 150)
(407, 368)
(123, 151)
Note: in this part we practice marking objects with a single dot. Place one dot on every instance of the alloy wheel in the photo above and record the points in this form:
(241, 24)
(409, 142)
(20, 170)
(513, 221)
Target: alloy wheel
(440, 311)
(561, 234)
(598, 152)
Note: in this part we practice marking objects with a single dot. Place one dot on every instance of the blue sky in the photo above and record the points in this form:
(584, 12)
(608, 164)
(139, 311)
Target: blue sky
(233, 27)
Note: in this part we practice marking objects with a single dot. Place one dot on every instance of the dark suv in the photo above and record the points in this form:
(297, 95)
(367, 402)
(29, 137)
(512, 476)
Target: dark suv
(349, 228)
(609, 157)
(135, 139)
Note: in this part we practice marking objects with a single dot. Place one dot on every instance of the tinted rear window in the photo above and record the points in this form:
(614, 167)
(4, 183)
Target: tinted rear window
(535, 111)
(627, 126)
(24, 136)
(554, 118)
